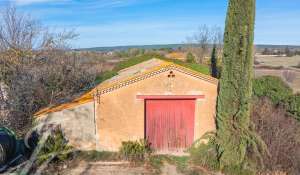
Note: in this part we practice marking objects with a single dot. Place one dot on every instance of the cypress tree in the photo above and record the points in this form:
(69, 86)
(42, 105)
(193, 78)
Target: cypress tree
(235, 138)
(213, 63)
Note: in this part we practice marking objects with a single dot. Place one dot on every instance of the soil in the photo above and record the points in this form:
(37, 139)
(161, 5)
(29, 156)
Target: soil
(109, 168)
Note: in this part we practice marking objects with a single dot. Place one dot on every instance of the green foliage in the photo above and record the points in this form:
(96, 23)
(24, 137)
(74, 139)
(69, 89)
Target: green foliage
(241, 169)
(190, 58)
(278, 92)
(135, 150)
(156, 162)
(181, 162)
(273, 88)
(135, 60)
(104, 76)
(236, 142)
(213, 64)
(122, 54)
(55, 147)
(194, 66)
(205, 154)
(294, 106)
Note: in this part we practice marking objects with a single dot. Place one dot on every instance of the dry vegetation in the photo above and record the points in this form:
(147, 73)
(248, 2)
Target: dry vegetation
(278, 61)
(281, 133)
(37, 69)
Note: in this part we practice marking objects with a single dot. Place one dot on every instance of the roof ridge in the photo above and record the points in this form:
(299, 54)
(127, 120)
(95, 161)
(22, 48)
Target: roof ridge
(106, 87)
(150, 73)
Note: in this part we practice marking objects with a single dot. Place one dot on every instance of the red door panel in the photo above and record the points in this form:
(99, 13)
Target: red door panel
(170, 124)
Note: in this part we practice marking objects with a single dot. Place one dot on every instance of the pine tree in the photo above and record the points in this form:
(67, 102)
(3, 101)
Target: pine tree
(213, 64)
(235, 138)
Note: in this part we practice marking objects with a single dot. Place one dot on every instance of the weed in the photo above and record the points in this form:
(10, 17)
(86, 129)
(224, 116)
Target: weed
(135, 150)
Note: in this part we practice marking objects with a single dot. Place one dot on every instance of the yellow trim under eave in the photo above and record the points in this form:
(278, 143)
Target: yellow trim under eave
(88, 97)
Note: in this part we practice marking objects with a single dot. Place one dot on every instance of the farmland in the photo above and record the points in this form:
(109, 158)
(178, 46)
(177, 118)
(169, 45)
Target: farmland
(286, 68)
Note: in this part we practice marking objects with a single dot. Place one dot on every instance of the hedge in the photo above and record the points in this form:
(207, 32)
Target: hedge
(279, 92)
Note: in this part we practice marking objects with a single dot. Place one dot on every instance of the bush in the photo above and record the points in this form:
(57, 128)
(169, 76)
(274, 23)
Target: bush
(281, 133)
(135, 150)
(279, 93)
(55, 148)
(190, 58)
(273, 88)
(294, 106)
(205, 154)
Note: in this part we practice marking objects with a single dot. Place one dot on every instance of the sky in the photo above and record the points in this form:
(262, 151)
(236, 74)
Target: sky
(143, 22)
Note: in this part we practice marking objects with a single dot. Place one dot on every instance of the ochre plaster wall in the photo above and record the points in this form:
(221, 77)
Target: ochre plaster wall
(78, 125)
(120, 115)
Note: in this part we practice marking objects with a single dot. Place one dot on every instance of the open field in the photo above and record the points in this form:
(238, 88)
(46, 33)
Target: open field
(280, 66)
(290, 76)
(278, 61)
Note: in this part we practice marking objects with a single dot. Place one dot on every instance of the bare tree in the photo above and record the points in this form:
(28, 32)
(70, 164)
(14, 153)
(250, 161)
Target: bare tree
(37, 67)
(217, 39)
(200, 42)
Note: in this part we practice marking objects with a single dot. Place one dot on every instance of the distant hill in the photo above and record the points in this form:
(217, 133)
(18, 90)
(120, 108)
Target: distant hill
(169, 46)
(113, 48)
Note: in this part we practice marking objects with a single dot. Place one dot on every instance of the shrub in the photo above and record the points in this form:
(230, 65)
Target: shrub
(55, 147)
(294, 106)
(205, 154)
(281, 133)
(273, 88)
(190, 58)
(135, 150)
(279, 93)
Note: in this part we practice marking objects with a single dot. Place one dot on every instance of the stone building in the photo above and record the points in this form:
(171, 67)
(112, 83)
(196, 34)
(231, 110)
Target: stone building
(169, 105)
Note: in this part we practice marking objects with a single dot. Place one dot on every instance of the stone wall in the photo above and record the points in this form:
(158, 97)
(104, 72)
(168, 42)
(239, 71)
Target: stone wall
(78, 125)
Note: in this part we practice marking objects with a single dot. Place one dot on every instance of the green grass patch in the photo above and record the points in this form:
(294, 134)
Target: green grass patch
(135, 60)
(157, 162)
(105, 76)
(181, 162)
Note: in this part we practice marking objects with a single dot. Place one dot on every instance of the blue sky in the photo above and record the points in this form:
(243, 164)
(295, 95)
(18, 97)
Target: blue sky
(139, 22)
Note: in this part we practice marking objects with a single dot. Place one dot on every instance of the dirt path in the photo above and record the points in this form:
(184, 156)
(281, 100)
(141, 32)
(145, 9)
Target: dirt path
(107, 168)
(169, 169)
(117, 168)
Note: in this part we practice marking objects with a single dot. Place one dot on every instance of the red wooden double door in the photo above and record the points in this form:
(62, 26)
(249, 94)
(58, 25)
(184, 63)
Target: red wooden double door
(170, 123)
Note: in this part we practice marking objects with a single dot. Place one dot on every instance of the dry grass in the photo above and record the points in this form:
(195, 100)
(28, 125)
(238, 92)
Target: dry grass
(274, 173)
(278, 61)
